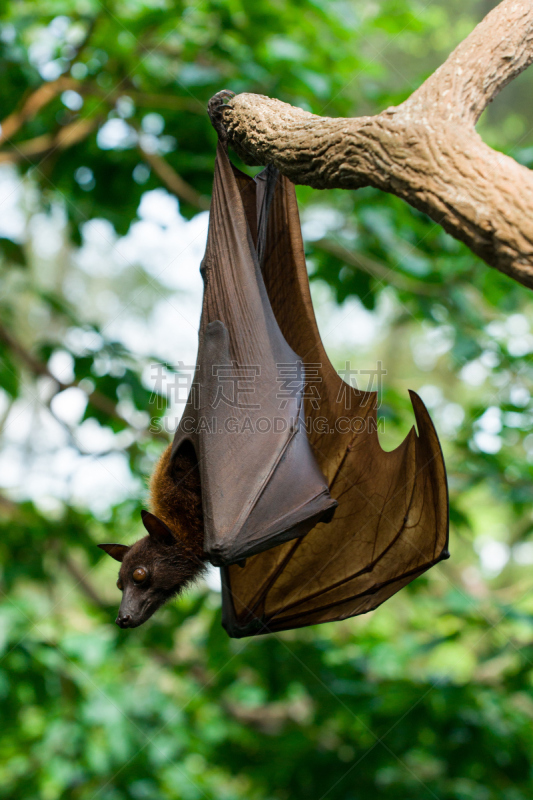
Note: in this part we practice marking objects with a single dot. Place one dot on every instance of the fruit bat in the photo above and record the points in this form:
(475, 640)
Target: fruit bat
(309, 520)
(240, 476)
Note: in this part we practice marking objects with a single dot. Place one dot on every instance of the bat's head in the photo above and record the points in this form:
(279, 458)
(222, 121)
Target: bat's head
(153, 570)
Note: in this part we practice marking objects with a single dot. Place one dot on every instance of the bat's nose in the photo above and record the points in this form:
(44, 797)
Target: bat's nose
(123, 620)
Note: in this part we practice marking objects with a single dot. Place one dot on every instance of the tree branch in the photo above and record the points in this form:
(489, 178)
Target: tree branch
(374, 268)
(39, 98)
(81, 582)
(425, 151)
(66, 137)
(33, 104)
(96, 398)
(170, 102)
(174, 182)
(497, 50)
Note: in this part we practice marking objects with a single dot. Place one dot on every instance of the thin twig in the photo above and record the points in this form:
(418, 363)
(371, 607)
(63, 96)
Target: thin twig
(98, 400)
(174, 182)
(379, 271)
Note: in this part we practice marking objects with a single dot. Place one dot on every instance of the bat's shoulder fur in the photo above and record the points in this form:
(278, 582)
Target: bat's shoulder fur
(175, 496)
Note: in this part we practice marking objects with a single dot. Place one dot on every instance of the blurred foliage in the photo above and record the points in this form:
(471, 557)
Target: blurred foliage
(430, 696)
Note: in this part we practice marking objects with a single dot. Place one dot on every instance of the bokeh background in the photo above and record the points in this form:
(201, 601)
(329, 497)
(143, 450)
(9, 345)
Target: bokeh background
(106, 159)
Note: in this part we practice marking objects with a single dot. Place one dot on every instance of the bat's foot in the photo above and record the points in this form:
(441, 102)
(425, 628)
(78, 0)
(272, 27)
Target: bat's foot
(216, 108)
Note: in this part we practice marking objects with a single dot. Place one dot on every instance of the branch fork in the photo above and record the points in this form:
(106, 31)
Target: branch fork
(425, 151)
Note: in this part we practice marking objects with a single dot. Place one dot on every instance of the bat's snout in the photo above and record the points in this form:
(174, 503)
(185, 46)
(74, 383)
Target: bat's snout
(124, 620)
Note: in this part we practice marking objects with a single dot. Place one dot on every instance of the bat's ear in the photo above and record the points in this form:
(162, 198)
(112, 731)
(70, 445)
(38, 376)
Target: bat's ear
(157, 529)
(116, 551)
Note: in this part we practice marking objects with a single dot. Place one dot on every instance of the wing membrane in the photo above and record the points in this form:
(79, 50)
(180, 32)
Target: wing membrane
(391, 523)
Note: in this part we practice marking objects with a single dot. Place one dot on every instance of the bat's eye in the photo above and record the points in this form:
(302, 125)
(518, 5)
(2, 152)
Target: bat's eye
(120, 585)
(139, 574)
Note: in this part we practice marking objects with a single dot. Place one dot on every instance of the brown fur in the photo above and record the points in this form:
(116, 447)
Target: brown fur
(175, 497)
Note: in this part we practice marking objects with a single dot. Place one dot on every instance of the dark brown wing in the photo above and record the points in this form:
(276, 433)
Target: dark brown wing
(261, 484)
(391, 523)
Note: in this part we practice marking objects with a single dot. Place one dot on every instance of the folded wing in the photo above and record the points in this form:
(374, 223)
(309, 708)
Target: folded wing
(261, 484)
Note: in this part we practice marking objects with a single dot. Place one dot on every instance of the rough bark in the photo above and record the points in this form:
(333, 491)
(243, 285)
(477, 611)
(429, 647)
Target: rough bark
(425, 151)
